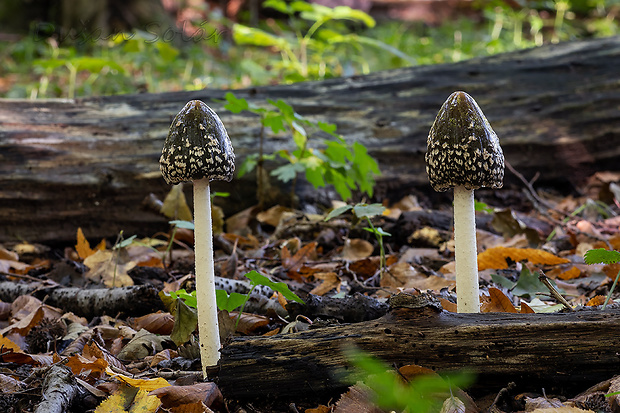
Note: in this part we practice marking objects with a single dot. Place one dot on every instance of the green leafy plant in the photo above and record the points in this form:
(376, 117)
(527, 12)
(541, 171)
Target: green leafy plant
(366, 211)
(311, 50)
(93, 65)
(424, 393)
(603, 256)
(232, 301)
(346, 167)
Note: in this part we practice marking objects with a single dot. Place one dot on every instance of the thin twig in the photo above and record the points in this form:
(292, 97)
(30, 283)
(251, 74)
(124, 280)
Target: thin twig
(545, 280)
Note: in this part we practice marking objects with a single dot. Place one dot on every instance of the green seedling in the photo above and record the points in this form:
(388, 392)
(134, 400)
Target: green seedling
(603, 256)
(344, 166)
(232, 301)
(422, 394)
(365, 211)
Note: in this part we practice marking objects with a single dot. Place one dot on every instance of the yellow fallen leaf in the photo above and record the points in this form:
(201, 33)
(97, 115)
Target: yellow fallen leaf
(7, 344)
(330, 281)
(175, 205)
(142, 384)
(129, 400)
(107, 267)
(569, 274)
(83, 246)
(495, 258)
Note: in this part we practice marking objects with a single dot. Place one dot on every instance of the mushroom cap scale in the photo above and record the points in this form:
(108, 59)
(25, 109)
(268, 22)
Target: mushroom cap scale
(463, 149)
(197, 147)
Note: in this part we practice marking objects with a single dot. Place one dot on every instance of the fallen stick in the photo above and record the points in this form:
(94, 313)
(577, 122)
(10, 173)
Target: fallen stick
(59, 390)
(135, 300)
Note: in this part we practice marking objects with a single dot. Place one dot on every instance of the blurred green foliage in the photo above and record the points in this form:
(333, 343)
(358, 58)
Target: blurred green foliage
(309, 41)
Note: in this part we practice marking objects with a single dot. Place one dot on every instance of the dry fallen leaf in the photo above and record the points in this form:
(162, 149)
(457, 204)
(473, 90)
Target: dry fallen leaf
(497, 303)
(175, 204)
(109, 268)
(453, 405)
(156, 323)
(596, 300)
(331, 281)
(356, 249)
(273, 215)
(173, 396)
(83, 246)
(495, 258)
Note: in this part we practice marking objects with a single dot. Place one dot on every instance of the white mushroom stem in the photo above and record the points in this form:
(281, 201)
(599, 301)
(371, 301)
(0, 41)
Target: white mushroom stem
(208, 329)
(468, 299)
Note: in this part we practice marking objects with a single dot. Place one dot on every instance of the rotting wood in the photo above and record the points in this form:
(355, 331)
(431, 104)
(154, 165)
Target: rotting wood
(576, 349)
(135, 300)
(59, 390)
(90, 162)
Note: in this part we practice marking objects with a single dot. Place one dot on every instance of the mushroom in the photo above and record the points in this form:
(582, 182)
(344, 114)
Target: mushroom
(464, 154)
(198, 149)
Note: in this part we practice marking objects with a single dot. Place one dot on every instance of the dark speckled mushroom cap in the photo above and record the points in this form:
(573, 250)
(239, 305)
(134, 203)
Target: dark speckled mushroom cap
(197, 147)
(463, 149)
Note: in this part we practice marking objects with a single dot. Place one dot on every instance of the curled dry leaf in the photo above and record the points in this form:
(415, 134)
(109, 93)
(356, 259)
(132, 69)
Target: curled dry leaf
(249, 322)
(356, 249)
(142, 345)
(177, 396)
(330, 281)
(596, 300)
(497, 303)
(156, 323)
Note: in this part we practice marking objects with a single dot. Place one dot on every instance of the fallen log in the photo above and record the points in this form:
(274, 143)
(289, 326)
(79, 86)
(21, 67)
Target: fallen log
(91, 162)
(560, 349)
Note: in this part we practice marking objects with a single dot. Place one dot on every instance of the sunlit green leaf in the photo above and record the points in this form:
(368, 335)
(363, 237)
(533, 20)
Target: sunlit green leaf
(235, 104)
(368, 210)
(248, 165)
(229, 302)
(602, 256)
(179, 223)
(256, 37)
(288, 172)
(282, 288)
(338, 211)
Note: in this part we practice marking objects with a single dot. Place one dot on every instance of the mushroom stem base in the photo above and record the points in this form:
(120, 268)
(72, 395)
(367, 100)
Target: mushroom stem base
(467, 290)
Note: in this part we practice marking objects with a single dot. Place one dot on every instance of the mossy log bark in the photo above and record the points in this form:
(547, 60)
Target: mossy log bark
(91, 162)
(537, 350)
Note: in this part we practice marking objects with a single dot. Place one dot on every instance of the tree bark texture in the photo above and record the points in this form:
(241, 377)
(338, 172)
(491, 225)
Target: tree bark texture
(90, 162)
(575, 349)
(59, 390)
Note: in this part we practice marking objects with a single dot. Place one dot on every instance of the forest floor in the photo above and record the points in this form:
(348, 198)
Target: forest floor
(66, 346)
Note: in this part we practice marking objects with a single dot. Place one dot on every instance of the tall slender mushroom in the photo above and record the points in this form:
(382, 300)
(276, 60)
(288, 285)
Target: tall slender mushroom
(464, 154)
(198, 149)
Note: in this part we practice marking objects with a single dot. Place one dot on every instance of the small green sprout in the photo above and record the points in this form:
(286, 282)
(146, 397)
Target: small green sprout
(366, 211)
(603, 256)
(230, 302)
